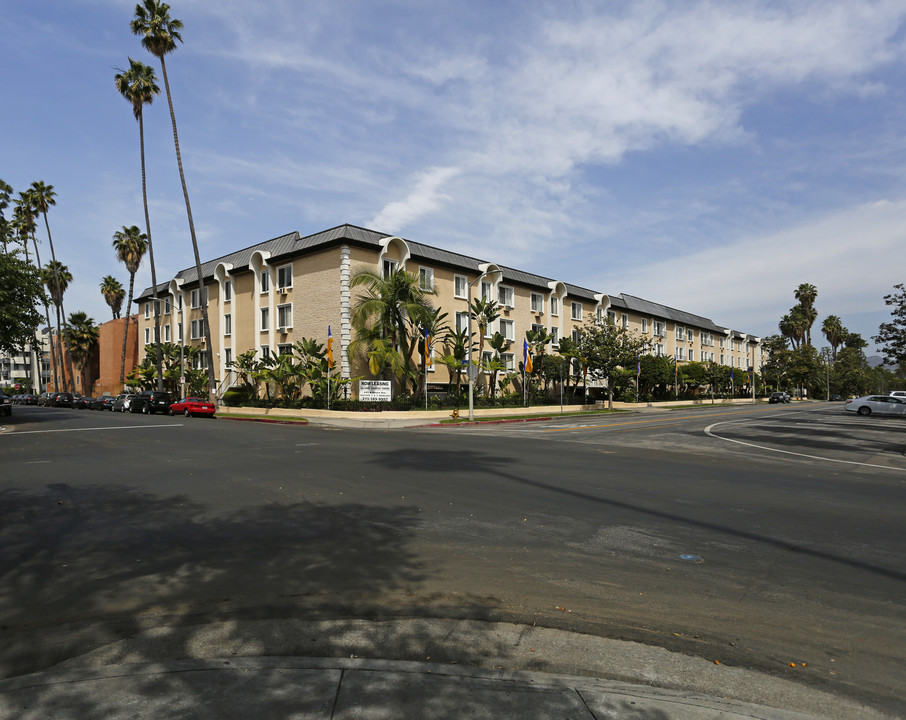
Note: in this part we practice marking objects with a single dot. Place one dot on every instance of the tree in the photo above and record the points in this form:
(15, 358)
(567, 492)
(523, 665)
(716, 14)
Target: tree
(386, 318)
(57, 278)
(41, 197)
(81, 340)
(485, 313)
(113, 292)
(892, 335)
(605, 347)
(833, 330)
(499, 344)
(139, 86)
(130, 245)
(21, 291)
(806, 294)
(160, 33)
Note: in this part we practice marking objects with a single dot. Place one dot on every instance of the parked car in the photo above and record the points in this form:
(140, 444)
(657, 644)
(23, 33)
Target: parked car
(105, 402)
(83, 402)
(120, 402)
(151, 401)
(779, 397)
(63, 399)
(898, 393)
(46, 399)
(193, 406)
(6, 405)
(29, 399)
(880, 404)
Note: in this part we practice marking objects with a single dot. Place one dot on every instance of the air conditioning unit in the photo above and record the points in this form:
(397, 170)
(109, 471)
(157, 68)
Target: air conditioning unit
(282, 328)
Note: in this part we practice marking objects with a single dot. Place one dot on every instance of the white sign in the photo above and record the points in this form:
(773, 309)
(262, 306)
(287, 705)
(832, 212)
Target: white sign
(375, 391)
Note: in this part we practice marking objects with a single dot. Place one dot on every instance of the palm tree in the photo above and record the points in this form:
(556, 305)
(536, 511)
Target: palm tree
(139, 86)
(57, 278)
(806, 294)
(130, 244)
(160, 33)
(82, 339)
(43, 197)
(834, 332)
(113, 292)
(499, 344)
(386, 318)
(485, 312)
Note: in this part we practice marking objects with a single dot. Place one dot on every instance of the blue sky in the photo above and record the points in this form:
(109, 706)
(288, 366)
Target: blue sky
(710, 156)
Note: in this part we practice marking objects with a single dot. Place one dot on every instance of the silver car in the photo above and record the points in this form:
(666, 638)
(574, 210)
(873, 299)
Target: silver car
(880, 404)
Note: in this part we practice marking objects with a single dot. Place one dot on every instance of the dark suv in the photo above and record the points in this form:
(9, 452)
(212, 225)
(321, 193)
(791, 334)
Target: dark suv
(151, 401)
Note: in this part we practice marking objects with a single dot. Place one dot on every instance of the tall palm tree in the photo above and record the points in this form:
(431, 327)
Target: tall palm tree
(139, 86)
(130, 244)
(113, 292)
(42, 198)
(81, 339)
(57, 278)
(484, 312)
(833, 330)
(391, 310)
(806, 294)
(160, 33)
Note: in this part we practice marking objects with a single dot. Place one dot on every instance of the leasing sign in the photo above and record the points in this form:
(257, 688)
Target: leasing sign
(375, 391)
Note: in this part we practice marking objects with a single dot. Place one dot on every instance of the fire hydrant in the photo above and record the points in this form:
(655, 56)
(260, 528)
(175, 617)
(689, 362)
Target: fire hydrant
(455, 414)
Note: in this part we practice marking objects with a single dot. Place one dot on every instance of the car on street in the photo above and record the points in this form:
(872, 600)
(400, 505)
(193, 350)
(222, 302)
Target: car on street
(150, 402)
(83, 402)
(880, 404)
(46, 399)
(779, 397)
(6, 405)
(898, 393)
(120, 403)
(29, 399)
(193, 406)
(105, 402)
(63, 399)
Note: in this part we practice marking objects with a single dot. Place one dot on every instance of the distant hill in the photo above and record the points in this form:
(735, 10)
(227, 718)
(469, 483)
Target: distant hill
(875, 360)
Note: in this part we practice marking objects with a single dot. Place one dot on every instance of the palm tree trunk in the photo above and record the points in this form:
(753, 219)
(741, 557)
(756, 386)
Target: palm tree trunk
(60, 308)
(209, 350)
(126, 330)
(157, 338)
(47, 316)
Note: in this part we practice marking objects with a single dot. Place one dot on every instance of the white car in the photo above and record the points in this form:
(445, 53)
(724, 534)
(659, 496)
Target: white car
(898, 393)
(880, 404)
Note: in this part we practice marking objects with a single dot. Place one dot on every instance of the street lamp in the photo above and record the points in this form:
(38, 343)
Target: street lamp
(485, 272)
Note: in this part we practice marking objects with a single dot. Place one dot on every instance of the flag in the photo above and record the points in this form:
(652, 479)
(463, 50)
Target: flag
(329, 348)
(526, 357)
(638, 366)
(428, 361)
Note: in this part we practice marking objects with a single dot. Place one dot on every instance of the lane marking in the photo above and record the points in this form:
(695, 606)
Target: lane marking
(666, 419)
(790, 452)
(113, 427)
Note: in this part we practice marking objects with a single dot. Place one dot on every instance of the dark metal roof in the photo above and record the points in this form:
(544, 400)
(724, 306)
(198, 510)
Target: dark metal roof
(646, 307)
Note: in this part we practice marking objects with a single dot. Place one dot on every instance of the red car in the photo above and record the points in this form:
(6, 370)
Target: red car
(193, 406)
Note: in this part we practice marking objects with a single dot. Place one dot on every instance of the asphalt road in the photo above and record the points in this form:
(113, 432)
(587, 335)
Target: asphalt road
(753, 536)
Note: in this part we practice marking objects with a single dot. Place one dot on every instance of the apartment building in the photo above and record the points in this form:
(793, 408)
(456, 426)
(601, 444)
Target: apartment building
(270, 295)
(30, 365)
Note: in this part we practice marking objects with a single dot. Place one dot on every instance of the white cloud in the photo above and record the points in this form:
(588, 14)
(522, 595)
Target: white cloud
(426, 197)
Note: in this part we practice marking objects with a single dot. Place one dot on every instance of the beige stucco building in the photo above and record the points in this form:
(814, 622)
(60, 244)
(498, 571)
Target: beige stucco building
(270, 295)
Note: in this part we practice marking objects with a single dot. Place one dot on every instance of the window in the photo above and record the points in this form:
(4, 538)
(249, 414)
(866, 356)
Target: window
(485, 290)
(505, 296)
(228, 356)
(508, 329)
(167, 308)
(284, 277)
(228, 291)
(611, 317)
(460, 286)
(575, 336)
(179, 302)
(265, 319)
(179, 331)
(228, 324)
(147, 334)
(691, 354)
(537, 328)
(577, 311)
(660, 329)
(509, 361)
(537, 303)
(659, 349)
(706, 338)
(195, 298)
(201, 361)
(721, 343)
(722, 362)
(285, 349)
(265, 281)
(265, 351)
(167, 333)
(681, 353)
(644, 325)
(285, 316)
(680, 333)
(555, 306)
(196, 329)
(390, 267)
(624, 321)
(426, 279)
(690, 336)
(462, 321)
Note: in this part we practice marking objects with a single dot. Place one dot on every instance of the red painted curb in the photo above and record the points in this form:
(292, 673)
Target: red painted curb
(264, 420)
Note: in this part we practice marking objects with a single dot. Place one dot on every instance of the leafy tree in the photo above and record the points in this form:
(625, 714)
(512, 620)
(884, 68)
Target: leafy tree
(114, 294)
(82, 340)
(130, 245)
(485, 313)
(246, 365)
(605, 347)
(499, 345)
(806, 294)
(656, 375)
(718, 377)
(833, 330)
(160, 33)
(892, 335)
(21, 290)
(57, 278)
(139, 86)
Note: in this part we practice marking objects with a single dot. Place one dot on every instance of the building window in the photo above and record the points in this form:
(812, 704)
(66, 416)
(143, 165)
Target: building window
(147, 310)
(690, 336)
(227, 324)
(460, 286)
(147, 334)
(680, 333)
(721, 343)
(228, 356)
(179, 302)
(179, 331)
(196, 329)
(167, 333)
(691, 354)
(537, 303)
(722, 360)
(426, 279)
(644, 325)
(462, 322)
(390, 267)
(624, 321)
(555, 306)
(576, 311)
(195, 298)
(265, 351)
(555, 335)
(285, 349)
(284, 277)
(285, 316)
(167, 308)
(485, 290)
(505, 296)
(537, 328)
(611, 317)
(575, 336)
(660, 329)
(680, 353)
(228, 291)
(659, 350)
(265, 281)
(265, 319)
(509, 361)
(508, 329)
